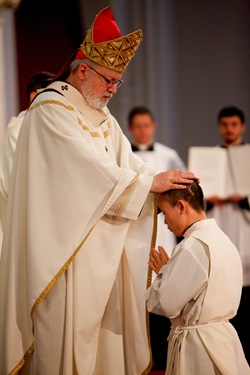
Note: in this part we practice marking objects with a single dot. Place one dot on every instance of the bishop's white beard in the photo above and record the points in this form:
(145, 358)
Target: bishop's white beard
(88, 92)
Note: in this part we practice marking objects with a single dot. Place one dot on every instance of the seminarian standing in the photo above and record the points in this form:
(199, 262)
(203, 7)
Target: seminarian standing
(232, 213)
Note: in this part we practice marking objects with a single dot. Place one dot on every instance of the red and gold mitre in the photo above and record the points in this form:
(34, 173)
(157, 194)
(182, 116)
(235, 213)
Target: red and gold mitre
(105, 45)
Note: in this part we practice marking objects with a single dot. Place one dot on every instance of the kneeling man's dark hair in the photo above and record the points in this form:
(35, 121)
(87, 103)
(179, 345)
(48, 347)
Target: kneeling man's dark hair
(193, 194)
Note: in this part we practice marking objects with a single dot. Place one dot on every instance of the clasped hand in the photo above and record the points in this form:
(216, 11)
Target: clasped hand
(157, 259)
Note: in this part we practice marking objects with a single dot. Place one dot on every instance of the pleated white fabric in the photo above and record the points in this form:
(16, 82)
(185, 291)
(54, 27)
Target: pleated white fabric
(75, 249)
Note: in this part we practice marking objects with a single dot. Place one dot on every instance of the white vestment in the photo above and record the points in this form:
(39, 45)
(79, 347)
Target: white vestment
(235, 222)
(7, 149)
(225, 171)
(74, 268)
(163, 158)
(199, 289)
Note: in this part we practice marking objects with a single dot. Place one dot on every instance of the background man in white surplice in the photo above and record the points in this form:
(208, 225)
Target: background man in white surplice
(225, 176)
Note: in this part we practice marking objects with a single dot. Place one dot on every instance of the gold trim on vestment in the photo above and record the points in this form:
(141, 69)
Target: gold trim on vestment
(58, 275)
(63, 269)
(23, 360)
(106, 133)
(153, 238)
(149, 280)
(84, 127)
(43, 295)
(93, 134)
(121, 202)
(69, 107)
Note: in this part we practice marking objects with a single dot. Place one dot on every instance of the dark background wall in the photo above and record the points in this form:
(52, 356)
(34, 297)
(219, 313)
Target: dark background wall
(213, 64)
(47, 32)
(194, 58)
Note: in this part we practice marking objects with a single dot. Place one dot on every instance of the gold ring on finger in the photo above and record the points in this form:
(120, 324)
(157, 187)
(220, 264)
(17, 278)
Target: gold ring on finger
(173, 180)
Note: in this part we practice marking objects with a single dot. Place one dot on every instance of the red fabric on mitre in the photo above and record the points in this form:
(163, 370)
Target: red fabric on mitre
(104, 29)
(80, 55)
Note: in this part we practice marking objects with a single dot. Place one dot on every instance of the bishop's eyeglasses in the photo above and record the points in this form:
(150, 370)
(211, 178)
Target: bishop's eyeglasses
(108, 82)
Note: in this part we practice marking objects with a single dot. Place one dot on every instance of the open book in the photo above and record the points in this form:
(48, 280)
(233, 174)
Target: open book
(222, 171)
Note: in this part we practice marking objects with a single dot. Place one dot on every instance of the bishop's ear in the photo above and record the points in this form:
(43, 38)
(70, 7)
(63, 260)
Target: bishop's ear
(82, 70)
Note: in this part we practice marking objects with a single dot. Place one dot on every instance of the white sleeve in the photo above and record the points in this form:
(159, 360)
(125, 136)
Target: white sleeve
(178, 282)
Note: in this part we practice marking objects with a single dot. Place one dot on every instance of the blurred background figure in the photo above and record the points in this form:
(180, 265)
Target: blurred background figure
(232, 213)
(8, 142)
(142, 127)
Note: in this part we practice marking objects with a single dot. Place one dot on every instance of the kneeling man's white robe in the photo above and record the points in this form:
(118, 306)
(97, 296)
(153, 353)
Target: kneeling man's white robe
(199, 289)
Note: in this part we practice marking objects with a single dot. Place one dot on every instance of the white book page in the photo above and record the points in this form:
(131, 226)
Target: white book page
(210, 165)
(239, 159)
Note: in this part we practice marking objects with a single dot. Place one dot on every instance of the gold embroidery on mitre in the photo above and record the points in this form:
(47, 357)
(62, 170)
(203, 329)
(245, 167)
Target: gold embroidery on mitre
(113, 54)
